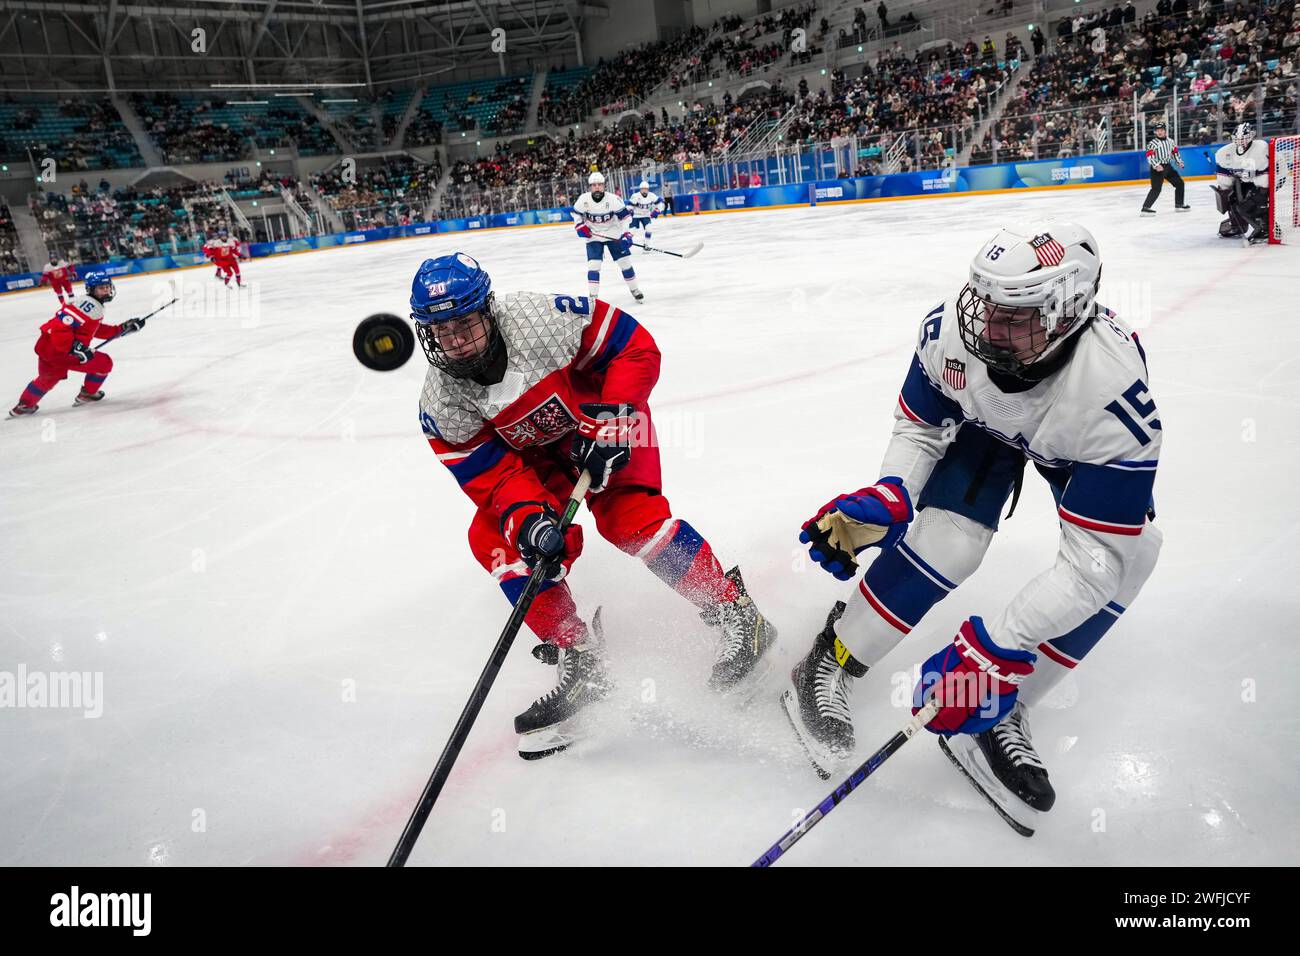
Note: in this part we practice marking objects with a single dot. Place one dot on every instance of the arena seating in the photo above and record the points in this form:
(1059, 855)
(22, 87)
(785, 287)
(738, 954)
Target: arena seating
(85, 133)
(11, 255)
(392, 190)
(1218, 55)
(197, 129)
(463, 106)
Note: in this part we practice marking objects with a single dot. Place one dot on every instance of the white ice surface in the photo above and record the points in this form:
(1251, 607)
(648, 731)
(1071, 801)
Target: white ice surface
(252, 543)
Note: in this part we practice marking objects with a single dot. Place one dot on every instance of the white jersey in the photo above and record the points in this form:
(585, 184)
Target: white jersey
(604, 217)
(1092, 429)
(643, 206)
(1250, 167)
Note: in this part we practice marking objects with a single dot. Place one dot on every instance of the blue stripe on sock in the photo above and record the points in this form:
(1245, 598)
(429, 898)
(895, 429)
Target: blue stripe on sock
(675, 558)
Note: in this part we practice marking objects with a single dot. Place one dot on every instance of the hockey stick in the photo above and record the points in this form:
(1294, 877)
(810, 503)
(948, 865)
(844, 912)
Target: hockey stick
(689, 251)
(475, 703)
(814, 816)
(685, 254)
(143, 318)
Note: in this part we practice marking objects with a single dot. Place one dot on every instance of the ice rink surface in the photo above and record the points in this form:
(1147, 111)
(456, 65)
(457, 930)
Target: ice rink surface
(253, 545)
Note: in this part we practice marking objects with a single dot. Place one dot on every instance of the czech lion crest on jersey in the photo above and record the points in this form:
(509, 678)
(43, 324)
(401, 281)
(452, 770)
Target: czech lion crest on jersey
(541, 426)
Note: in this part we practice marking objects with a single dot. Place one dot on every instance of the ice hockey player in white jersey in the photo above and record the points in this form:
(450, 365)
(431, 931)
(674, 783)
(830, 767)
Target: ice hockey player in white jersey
(646, 207)
(600, 219)
(1021, 366)
(1241, 181)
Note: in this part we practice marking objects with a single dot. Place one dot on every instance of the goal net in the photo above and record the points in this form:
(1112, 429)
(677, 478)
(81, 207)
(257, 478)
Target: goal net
(1284, 189)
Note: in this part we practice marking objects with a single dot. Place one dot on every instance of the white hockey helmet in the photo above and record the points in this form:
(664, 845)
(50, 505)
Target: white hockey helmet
(1243, 136)
(1030, 287)
(644, 186)
(596, 179)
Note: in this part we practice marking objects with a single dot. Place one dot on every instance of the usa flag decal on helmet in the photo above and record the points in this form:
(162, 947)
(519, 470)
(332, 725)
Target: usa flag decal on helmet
(1049, 251)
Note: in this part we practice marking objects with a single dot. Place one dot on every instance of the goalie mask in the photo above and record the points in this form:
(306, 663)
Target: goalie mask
(1030, 288)
(1243, 136)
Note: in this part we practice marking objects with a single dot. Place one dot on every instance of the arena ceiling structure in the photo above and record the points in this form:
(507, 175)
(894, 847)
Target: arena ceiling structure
(362, 45)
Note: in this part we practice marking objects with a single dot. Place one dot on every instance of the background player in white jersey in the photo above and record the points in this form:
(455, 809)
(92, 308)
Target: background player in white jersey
(646, 207)
(1241, 182)
(599, 218)
(1023, 365)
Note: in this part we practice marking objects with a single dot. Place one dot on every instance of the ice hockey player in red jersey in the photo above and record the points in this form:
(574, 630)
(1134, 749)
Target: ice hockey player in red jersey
(64, 346)
(1022, 366)
(224, 253)
(523, 393)
(59, 273)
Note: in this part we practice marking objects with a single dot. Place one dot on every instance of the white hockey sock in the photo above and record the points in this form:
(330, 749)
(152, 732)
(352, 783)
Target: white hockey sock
(942, 549)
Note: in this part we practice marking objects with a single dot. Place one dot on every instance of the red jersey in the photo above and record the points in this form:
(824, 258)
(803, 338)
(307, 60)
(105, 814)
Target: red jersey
(59, 273)
(79, 321)
(222, 251)
(562, 351)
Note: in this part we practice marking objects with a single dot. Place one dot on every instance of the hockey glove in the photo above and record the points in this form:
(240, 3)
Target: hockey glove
(870, 517)
(81, 352)
(976, 681)
(584, 231)
(602, 443)
(534, 527)
(131, 325)
(626, 239)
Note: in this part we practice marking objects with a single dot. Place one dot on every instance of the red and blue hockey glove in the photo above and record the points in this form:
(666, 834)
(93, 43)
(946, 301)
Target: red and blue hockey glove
(584, 231)
(602, 443)
(876, 516)
(534, 527)
(975, 681)
(626, 239)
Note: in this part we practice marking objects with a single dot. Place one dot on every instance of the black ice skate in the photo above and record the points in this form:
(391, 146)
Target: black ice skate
(817, 704)
(1003, 766)
(1183, 208)
(742, 662)
(20, 410)
(84, 397)
(638, 295)
(555, 719)
(1148, 212)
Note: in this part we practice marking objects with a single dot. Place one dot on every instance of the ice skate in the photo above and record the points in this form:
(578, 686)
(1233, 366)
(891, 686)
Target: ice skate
(1004, 768)
(817, 702)
(557, 718)
(742, 662)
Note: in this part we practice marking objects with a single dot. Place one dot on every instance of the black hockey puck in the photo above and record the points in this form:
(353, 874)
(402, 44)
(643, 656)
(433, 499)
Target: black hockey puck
(383, 342)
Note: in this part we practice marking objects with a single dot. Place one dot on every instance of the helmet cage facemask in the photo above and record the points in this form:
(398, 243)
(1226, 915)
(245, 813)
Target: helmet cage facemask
(101, 299)
(489, 350)
(1039, 317)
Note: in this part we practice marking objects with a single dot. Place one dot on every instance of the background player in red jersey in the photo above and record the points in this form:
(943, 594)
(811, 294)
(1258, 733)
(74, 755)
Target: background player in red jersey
(224, 253)
(59, 273)
(522, 394)
(64, 345)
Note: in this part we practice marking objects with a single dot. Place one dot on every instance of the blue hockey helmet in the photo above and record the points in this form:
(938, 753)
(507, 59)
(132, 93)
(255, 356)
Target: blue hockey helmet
(452, 307)
(97, 279)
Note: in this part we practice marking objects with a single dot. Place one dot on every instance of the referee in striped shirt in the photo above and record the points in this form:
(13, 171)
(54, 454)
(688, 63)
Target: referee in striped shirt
(1162, 154)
